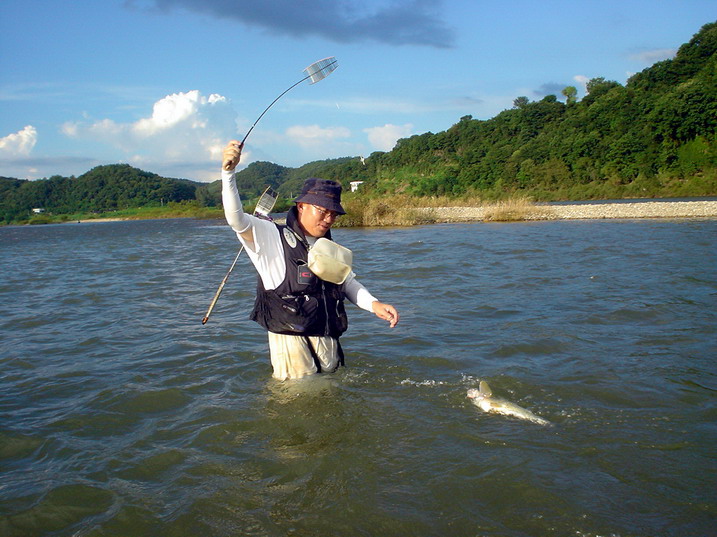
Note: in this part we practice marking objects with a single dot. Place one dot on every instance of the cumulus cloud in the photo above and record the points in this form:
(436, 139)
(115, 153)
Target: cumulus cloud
(183, 128)
(190, 108)
(395, 22)
(18, 144)
(385, 138)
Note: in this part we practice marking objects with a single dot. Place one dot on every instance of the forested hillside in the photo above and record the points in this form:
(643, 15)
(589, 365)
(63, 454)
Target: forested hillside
(658, 130)
(104, 188)
(655, 136)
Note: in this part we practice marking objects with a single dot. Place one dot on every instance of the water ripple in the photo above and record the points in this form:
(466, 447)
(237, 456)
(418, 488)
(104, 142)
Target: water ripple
(123, 415)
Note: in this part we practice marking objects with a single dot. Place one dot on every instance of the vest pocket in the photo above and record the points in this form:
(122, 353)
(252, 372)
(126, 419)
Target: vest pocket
(286, 314)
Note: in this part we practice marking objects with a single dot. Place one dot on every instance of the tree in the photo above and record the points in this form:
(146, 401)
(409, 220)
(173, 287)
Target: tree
(571, 94)
(597, 87)
(520, 102)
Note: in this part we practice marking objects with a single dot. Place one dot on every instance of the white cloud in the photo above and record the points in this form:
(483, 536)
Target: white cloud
(189, 108)
(313, 136)
(184, 128)
(385, 138)
(582, 80)
(18, 144)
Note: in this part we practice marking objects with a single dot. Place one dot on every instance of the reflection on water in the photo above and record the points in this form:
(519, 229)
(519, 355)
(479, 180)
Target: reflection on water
(121, 414)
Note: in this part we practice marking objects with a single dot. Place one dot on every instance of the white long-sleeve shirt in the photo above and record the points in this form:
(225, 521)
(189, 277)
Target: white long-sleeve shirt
(267, 252)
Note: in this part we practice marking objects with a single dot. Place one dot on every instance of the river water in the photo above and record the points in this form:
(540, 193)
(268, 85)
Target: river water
(122, 415)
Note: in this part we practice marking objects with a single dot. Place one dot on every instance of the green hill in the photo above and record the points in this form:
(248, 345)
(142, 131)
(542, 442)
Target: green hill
(104, 188)
(654, 136)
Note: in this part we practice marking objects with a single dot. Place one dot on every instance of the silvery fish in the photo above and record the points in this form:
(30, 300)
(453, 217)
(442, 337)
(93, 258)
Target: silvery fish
(483, 399)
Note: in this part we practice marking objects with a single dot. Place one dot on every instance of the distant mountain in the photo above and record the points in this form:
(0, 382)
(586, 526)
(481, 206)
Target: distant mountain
(252, 180)
(104, 188)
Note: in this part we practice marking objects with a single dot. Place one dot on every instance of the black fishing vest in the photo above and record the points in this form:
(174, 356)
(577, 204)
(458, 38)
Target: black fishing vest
(303, 305)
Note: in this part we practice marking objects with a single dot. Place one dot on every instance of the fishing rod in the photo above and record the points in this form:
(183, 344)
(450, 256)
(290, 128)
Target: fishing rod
(262, 210)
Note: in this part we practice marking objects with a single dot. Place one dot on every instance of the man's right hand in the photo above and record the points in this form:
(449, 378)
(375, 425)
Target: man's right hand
(232, 155)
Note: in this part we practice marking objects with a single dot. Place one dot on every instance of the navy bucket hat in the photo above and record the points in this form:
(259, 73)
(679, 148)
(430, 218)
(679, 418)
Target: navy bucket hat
(322, 192)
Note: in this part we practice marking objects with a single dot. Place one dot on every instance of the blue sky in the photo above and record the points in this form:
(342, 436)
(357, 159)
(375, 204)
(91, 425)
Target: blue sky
(164, 84)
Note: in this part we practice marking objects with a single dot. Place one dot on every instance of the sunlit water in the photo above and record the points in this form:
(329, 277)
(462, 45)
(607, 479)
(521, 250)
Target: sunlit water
(121, 414)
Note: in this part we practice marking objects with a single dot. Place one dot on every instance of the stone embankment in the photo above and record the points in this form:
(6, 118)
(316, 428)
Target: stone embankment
(647, 209)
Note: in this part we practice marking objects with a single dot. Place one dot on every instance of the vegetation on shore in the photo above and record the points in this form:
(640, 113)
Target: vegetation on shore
(654, 137)
(403, 210)
(184, 209)
(388, 211)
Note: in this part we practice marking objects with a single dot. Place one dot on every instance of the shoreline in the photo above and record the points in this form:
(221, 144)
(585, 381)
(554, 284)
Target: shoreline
(505, 212)
(90, 220)
(577, 211)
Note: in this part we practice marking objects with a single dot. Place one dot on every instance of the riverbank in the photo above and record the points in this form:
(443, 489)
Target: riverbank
(509, 211)
(577, 211)
(90, 220)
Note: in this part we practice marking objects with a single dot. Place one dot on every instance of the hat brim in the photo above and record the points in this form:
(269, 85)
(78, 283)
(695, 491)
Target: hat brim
(321, 201)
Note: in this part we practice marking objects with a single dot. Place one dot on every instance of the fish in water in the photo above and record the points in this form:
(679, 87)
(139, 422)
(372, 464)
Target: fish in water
(483, 399)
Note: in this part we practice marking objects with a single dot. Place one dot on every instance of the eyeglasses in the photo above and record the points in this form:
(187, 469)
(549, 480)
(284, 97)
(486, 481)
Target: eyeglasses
(325, 213)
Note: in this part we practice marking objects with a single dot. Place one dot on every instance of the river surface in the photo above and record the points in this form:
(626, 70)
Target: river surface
(122, 415)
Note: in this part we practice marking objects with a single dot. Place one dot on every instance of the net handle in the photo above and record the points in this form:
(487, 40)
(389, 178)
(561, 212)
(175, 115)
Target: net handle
(263, 208)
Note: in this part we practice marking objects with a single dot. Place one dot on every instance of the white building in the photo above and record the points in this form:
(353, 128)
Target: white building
(355, 185)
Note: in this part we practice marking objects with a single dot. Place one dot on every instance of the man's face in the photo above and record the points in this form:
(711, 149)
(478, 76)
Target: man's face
(314, 220)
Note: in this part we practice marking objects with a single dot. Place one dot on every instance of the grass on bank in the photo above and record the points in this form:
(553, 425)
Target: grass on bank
(385, 211)
(513, 210)
(404, 210)
(171, 210)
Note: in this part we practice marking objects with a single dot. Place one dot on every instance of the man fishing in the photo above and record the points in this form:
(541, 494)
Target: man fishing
(303, 314)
